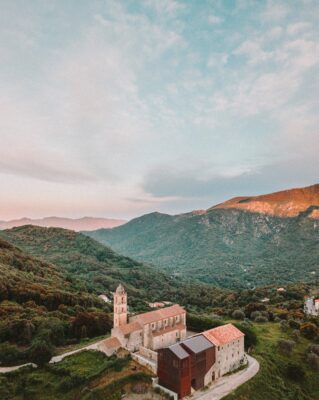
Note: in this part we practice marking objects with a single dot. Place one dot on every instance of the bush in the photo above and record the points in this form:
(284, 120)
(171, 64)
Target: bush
(40, 352)
(309, 331)
(10, 354)
(199, 324)
(238, 314)
(295, 372)
(294, 324)
(313, 348)
(313, 361)
(296, 335)
(286, 346)
(255, 314)
(284, 325)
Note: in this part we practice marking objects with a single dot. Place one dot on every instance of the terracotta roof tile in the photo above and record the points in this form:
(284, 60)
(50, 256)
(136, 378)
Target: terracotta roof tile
(130, 327)
(223, 334)
(158, 315)
(111, 343)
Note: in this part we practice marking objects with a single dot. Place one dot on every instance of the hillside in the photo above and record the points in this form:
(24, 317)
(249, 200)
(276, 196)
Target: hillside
(98, 269)
(36, 301)
(287, 203)
(227, 247)
(79, 224)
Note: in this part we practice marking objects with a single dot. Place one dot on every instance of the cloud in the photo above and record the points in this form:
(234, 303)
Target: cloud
(275, 10)
(166, 182)
(298, 27)
(214, 19)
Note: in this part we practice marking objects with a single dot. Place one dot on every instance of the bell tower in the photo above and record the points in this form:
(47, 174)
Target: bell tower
(120, 307)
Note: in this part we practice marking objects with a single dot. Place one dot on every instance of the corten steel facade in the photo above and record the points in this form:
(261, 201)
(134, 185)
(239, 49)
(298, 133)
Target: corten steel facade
(186, 365)
(174, 370)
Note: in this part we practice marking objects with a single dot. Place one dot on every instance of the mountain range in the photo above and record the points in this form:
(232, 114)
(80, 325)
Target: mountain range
(244, 242)
(79, 224)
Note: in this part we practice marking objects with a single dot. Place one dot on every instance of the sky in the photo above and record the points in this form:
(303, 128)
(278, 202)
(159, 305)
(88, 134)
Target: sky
(120, 108)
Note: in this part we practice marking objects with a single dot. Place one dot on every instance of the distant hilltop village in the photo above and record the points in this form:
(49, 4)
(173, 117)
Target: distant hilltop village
(158, 340)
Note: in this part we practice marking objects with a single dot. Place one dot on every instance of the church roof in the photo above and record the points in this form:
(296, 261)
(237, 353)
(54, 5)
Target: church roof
(111, 343)
(223, 334)
(120, 289)
(130, 327)
(158, 315)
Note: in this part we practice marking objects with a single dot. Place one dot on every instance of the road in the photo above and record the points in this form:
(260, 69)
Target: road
(227, 384)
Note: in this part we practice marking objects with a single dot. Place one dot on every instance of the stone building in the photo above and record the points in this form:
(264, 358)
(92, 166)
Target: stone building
(311, 306)
(201, 359)
(229, 345)
(152, 330)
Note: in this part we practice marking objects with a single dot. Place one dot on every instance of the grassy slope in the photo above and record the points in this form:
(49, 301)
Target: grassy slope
(71, 379)
(271, 382)
(229, 248)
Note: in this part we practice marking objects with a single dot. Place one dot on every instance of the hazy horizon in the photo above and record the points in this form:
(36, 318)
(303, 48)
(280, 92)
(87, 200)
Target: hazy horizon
(114, 109)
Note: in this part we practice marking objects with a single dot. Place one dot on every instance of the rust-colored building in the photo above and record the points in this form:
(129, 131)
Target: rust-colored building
(174, 369)
(186, 365)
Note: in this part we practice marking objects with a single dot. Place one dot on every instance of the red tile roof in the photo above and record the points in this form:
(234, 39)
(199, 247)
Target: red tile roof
(223, 334)
(111, 343)
(130, 327)
(158, 315)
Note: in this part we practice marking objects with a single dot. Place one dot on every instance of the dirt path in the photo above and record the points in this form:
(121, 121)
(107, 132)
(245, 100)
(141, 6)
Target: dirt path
(4, 370)
(227, 384)
(55, 359)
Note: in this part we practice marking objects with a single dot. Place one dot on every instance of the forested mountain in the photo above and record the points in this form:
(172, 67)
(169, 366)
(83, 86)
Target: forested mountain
(95, 268)
(226, 245)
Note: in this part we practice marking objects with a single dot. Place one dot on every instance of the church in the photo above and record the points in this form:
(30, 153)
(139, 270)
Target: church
(151, 330)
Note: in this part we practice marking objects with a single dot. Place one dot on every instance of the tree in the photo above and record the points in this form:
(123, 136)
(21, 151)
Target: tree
(41, 351)
(238, 314)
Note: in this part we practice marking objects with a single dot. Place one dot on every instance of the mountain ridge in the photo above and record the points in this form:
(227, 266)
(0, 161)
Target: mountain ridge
(229, 247)
(76, 224)
(284, 203)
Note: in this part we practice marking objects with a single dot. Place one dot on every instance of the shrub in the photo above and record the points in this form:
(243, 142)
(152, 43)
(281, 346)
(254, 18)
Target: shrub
(296, 335)
(199, 324)
(294, 324)
(286, 346)
(295, 372)
(10, 354)
(255, 314)
(309, 331)
(284, 325)
(313, 348)
(313, 361)
(238, 314)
